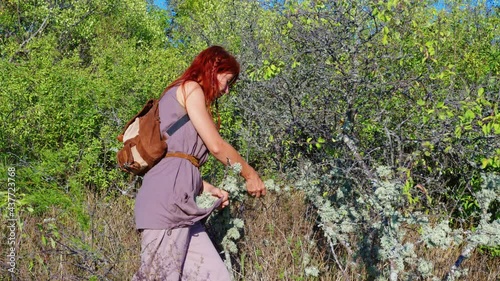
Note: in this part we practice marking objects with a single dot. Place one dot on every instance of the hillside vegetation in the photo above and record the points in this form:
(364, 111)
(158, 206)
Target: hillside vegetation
(375, 124)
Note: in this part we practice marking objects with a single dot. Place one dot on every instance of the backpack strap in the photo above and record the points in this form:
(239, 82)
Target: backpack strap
(178, 124)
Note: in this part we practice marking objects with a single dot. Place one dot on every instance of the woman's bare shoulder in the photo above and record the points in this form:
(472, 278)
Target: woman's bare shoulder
(188, 89)
(192, 86)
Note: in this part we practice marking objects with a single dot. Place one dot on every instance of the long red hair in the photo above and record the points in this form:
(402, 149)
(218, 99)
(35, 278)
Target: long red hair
(204, 69)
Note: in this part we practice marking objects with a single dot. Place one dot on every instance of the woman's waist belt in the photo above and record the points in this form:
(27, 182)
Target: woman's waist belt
(189, 157)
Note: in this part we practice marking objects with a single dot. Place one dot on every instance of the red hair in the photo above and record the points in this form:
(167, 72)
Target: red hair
(204, 69)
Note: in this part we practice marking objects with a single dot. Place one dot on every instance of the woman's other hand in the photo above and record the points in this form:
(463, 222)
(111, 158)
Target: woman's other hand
(217, 192)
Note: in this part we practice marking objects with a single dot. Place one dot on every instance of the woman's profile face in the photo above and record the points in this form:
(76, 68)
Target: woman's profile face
(224, 80)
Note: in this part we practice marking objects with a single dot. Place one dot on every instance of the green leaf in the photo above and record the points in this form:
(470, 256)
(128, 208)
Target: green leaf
(496, 128)
(469, 115)
(486, 128)
(485, 162)
(458, 131)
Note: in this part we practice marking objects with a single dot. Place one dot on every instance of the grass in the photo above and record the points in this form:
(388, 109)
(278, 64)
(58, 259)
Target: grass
(279, 242)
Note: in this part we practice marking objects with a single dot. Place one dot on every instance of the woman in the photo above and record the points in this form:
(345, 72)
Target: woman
(174, 243)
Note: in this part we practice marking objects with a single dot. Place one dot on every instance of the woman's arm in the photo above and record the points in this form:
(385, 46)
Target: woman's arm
(194, 102)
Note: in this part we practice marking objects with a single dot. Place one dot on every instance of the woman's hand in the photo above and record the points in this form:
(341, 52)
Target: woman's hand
(255, 186)
(217, 192)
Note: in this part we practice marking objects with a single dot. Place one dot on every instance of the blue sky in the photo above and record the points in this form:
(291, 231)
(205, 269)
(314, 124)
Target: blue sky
(160, 3)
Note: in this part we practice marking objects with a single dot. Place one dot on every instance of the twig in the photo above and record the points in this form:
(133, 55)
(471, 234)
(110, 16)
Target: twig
(350, 144)
(346, 277)
(228, 263)
(394, 272)
(40, 29)
(465, 254)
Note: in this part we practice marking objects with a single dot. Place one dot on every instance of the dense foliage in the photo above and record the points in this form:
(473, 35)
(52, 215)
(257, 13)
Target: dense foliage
(384, 112)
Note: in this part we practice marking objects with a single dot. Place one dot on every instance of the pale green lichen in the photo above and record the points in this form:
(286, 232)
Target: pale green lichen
(239, 223)
(425, 268)
(311, 271)
(490, 191)
(346, 210)
(231, 185)
(339, 194)
(205, 200)
(306, 259)
(233, 233)
(437, 236)
(387, 194)
(229, 246)
(487, 234)
(237, 168)
(271, 185)
(408, 251)
(384, 172)
(235, 186)
(456, 275)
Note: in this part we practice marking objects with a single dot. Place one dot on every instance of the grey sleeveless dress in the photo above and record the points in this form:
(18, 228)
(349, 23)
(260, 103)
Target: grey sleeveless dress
(166, 199)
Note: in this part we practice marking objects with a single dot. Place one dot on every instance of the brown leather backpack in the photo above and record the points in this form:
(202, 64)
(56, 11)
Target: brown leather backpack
(144, 144)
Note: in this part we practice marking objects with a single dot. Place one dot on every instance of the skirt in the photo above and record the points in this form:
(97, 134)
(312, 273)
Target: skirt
(182, 254)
